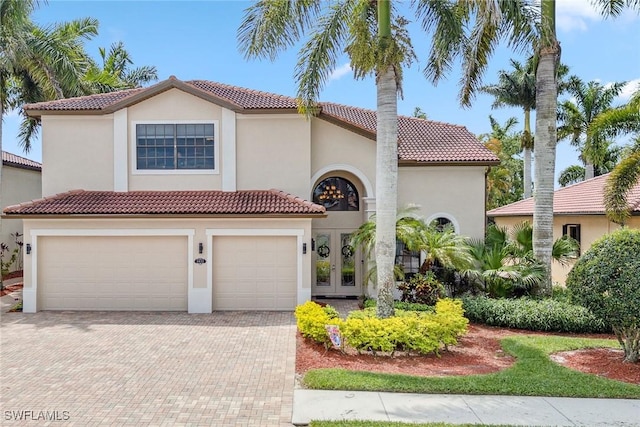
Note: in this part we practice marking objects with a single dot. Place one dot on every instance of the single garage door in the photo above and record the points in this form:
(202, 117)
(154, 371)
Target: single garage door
(254, 272)
(112, 273)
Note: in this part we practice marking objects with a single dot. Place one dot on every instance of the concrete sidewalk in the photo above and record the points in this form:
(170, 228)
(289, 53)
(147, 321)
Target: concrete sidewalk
(459, 409)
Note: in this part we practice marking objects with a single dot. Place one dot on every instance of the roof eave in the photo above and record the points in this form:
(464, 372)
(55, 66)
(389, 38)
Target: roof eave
(404, 162)
(21, 166)
(172, 216)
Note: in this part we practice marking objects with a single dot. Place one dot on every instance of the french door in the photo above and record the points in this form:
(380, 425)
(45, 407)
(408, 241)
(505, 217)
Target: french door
(337, 270)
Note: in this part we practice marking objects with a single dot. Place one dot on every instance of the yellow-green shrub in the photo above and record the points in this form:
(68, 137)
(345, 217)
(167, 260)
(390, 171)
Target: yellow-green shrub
(408, 331)
(312, 319)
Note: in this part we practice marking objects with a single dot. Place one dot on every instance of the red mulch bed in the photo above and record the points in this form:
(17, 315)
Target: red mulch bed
(478, 352)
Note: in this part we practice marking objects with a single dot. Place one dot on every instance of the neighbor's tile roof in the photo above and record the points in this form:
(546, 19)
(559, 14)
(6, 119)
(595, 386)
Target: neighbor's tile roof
(419, 140)
(10, 159)
(81, 202)
(582, 198)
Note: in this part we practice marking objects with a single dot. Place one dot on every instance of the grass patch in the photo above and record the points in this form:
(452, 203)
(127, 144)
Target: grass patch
(533, 374)
(345, 423)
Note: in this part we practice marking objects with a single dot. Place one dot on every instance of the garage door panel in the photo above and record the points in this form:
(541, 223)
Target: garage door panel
(112, 273)
(254, 272)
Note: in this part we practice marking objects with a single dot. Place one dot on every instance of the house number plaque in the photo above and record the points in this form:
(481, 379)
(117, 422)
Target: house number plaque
(200, 260)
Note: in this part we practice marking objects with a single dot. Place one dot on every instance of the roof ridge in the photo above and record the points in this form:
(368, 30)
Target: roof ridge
(296, 199)
(241, 88)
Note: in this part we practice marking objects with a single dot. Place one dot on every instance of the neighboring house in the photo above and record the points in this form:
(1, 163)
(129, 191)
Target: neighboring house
(578, 211)
(193, 196)
(21, 182)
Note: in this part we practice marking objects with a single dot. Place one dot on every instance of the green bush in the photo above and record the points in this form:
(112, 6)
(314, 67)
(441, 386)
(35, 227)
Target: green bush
(400, 305)
(422, 289)
(532, 314)
(606, 279)
(411, 331)
(312, 318)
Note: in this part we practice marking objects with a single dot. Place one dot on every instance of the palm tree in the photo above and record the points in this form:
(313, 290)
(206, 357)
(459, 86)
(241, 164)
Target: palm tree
(605, 159)
(548, 51)
(376, 40)
(504, 181)
(622, 120)
(576, 117)
(115, 73)
(518, 89)
(40, 63)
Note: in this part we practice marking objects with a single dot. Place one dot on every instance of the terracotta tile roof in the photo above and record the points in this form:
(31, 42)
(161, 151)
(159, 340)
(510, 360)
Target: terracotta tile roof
(582, 198)
(419, 140)
(10, 159)
(254, 202)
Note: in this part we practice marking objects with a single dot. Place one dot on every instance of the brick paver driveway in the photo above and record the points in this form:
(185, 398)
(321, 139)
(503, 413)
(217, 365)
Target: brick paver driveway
(221, 369)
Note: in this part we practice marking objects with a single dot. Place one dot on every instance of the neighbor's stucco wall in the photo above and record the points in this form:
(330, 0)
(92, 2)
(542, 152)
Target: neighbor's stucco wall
(77, 153)
(273, 152)
(18, 185)
(454, 192)
(173, 106)
(592, 227)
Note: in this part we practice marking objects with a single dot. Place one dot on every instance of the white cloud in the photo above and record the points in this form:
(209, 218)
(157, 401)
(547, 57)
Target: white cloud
(575, 15)
(629, 89)
(340, 72)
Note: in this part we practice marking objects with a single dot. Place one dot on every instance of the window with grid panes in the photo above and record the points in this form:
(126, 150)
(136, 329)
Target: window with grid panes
(175, 146)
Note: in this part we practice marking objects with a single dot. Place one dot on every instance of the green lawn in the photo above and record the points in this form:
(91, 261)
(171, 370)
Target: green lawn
(393, 424)
(533, 374)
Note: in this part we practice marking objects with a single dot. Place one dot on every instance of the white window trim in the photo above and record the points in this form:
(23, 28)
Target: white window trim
(216, 149)
(30, 295)
(303, 295)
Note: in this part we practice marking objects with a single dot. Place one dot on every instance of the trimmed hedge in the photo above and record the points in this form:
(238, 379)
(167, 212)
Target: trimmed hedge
(533, 315)
(407, 331)
(401, 305)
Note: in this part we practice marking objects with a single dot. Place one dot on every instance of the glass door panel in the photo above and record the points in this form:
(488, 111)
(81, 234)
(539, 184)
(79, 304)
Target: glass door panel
(347, 261)
(323, 261)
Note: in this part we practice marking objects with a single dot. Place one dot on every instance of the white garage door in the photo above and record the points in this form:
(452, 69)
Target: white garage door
(112, 273)
(254, 272)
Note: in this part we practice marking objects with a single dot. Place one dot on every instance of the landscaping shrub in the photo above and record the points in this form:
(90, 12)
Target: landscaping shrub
(422, 289)
(606, 279)
(400, 305)
(411, 331)
(312, 318)
(532, 314)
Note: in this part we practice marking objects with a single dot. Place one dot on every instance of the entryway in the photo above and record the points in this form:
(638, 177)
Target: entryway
(337, 266)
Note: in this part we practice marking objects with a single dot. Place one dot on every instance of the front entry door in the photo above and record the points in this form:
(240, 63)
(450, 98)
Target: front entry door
(337, 264)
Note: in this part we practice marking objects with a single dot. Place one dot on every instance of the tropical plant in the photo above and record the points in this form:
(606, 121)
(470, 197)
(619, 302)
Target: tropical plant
(115, 74)
(608, 156)
(591, 99)
(504, 181)
(606, 280)
(375, 38)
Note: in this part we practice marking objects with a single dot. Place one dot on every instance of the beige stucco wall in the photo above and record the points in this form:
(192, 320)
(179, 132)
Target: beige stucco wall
(199, 225)
(592, 227)
(174, 106)
(273, 152)
(18, 186)
(455, 192)
(77, 153)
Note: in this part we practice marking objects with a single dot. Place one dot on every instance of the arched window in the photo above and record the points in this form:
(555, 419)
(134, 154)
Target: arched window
(337, 194)
(441, 222)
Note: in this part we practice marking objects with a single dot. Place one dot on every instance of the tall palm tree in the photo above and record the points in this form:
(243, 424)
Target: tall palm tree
(591, 99)
(40, 63)
(604, 160)
(376, 40)
(115, 72)
(626, 175)
(517, 88)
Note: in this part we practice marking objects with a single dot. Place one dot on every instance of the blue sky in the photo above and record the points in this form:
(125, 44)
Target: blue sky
(197, 40)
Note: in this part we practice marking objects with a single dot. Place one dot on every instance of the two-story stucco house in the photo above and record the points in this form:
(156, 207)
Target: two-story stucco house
(198, 196)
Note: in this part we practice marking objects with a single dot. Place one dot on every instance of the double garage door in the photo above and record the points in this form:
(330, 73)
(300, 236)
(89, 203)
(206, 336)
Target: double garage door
(150, 273)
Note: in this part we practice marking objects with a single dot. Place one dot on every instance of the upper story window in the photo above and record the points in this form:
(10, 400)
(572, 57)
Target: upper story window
(337, 194)
(175, 146)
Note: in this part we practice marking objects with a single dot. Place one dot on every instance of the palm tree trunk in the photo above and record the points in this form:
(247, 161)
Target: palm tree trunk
(527, 154)
(546, 103)
(589, 171)
(386, 171)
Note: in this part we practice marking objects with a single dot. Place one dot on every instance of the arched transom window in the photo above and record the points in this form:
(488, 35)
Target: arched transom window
(337, 194)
